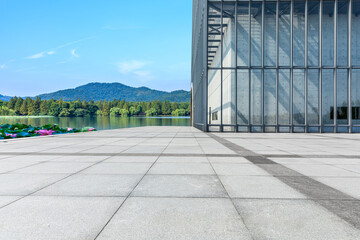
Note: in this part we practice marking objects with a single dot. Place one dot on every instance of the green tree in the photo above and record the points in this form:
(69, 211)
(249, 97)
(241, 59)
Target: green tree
(54, 109)
(166, 108)
(5, 111)
(18, 105)
(132, 111)
(151, 112)
(114, 112)
(24, 108)
(179, 112)
(12, 102)
(65, 112)
(81, 112)
(106, 109)
(124, 112)
(43, 108)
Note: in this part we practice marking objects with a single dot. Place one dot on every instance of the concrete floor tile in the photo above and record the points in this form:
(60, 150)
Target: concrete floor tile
(163, 218)
(293, 219)
(238, 169)
(4, 200)
(118, 168)
(258, 187)
(23, 184)
(93, 185)
(75, 159)
(348, 185)
(352, 167)
(8, 165)
(182, 159)
(132, 159)
(321, 170)
(44, 218)
(341, 161)
(55, 167)
(295, 160)
(182, 168)
(180, 186)
(227, 160)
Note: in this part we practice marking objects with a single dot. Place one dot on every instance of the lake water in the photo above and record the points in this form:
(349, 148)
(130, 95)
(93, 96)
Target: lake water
(100, 123)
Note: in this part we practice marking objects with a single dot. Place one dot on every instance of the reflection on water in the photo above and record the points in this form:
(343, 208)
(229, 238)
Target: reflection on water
(100, 123)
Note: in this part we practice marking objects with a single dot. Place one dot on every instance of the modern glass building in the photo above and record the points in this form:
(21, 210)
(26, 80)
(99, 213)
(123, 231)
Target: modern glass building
(276, 66)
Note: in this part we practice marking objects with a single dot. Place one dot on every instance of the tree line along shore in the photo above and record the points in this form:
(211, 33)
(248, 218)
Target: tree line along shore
(18, 106)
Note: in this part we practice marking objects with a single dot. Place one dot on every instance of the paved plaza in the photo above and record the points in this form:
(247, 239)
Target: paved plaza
(180, 183)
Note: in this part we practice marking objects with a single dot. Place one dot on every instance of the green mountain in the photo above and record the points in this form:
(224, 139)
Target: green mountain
(4, 98)
(110, 91)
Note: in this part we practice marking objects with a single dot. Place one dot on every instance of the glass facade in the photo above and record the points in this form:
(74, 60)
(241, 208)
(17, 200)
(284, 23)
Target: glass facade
(276, 66)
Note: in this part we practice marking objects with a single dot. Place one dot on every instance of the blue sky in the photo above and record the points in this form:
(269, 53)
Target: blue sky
(51, 45)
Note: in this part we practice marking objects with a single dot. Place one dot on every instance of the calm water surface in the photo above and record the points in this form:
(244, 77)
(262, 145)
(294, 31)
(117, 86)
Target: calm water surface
(100, 123)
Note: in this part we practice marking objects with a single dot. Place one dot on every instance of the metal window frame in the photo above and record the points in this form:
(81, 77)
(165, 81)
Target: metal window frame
(335, 125)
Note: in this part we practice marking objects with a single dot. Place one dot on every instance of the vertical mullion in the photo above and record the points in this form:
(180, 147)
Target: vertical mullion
(263, 64)
(291, 63)
(320, 65)
(350, 67)
(277, 68)
(221, 66)
(207, 69)
(236, 72)
(249, 66)
(335, 65)
(306, 66)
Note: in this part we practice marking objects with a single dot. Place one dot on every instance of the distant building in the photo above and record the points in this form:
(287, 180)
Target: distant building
(276, 66)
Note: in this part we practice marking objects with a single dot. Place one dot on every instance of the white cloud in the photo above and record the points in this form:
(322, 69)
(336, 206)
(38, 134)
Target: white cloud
(2, 66)
(136, 69)
(144, 75)
(130, 66)
(40, 55)
(51, 52)
(37, 55)
(73, 53)
(74, 42)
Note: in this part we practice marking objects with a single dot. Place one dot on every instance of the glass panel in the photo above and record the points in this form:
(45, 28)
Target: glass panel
(270, 34)
(256, 36)
(313, 129)
(229, 98)
(284, 33)
(299, 34)
(328, 33)
(328, 96)
(284, 97)
(342, 32)
(313, 33)
(355, 96)
(355, 33)
(270, 96)
(214, 34)
(243, 97)
(299, 96)
(256, 96)
(313, 115)
(243, 29)
(229, 35)
(214, 93)
(342, 96)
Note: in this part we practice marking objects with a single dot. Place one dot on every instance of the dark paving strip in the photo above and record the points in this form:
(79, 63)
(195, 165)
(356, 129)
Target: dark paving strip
(341, 204)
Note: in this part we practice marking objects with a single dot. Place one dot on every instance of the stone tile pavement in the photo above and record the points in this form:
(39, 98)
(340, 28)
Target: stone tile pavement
(180, 183)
